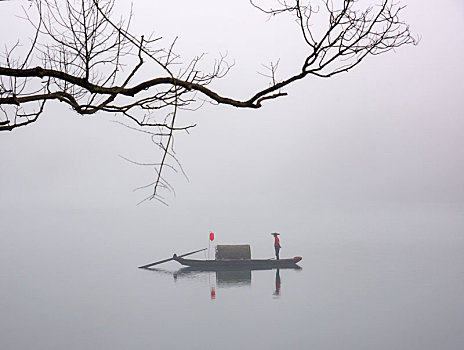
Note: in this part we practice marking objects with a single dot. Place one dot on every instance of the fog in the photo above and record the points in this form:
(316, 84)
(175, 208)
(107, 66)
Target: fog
(389, 130)
(346, 168)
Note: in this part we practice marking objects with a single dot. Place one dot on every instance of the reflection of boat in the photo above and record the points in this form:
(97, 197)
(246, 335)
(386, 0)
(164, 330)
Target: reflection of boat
(233, 278)
(224, 277)
(228, 264)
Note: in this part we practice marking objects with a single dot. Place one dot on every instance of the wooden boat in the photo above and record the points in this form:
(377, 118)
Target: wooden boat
(230, 257)
(239, 263)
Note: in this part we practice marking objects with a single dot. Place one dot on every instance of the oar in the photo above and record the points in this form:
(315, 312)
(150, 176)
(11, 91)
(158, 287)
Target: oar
(166, 260)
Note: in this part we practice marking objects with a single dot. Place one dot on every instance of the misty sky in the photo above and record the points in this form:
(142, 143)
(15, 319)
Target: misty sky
(361, 173)
(389, 130)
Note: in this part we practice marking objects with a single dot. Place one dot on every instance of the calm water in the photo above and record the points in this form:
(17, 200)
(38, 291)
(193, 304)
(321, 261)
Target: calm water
(372, 277)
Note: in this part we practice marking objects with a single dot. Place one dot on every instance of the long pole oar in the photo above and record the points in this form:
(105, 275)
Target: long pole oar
(166, 260)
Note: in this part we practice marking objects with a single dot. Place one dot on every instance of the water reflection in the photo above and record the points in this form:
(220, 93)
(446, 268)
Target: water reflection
(222, 278)
(277, 283)
(233, 278)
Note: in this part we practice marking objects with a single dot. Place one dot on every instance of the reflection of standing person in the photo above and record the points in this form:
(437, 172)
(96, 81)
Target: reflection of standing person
(277, 283)
(276, 244)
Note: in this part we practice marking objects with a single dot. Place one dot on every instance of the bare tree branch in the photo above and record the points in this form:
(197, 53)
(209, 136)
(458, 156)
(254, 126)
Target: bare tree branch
(82, 56)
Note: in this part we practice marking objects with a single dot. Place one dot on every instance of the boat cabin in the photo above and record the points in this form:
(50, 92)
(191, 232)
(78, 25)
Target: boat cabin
(233, 252)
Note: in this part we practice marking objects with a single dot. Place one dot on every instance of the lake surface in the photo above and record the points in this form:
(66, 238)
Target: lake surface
(372, 277)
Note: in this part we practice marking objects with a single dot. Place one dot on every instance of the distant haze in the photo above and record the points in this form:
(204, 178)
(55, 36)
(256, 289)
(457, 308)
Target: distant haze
(361, 173)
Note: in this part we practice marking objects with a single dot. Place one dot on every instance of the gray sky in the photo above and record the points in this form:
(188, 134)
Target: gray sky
(362, 174)
(389, 130)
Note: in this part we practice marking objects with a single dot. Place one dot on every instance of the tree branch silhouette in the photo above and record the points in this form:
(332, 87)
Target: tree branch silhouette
(83, 57)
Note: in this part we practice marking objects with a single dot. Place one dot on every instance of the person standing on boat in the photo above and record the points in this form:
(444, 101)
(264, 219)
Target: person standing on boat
(276, 244)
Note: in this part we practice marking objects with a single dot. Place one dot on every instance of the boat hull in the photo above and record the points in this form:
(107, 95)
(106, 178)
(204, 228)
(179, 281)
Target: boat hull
(239, 263)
